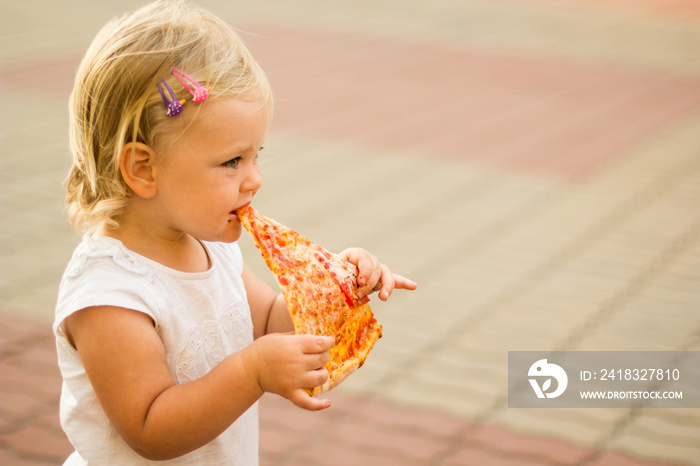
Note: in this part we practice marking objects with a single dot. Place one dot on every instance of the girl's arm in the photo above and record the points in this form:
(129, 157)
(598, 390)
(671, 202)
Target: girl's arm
(125, 361)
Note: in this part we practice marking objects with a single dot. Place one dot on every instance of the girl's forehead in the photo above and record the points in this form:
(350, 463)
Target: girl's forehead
(234, 107)
(228, 124)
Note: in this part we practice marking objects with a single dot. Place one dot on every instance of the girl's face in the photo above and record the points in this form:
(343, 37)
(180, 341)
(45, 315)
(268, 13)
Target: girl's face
(212, 170)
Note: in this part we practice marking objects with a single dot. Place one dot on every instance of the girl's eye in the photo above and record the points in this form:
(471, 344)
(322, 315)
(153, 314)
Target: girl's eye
(233, 163)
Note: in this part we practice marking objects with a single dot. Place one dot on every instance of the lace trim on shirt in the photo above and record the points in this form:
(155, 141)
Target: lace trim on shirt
(208, 345)
(103, 248)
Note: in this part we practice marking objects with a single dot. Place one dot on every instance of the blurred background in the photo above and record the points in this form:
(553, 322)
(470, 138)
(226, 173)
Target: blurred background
(533, 164)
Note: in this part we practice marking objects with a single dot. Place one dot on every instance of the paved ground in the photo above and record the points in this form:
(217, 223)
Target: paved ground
(534, 165)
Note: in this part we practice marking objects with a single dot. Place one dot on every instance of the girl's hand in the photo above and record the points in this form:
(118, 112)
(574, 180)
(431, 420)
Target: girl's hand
(373, 275)
(286, 364)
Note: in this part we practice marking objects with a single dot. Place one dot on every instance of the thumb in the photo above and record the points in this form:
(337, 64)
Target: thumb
(302, 399)
(317, 343)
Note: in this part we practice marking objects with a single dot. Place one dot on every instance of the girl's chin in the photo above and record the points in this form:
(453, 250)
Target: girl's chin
(233, 233)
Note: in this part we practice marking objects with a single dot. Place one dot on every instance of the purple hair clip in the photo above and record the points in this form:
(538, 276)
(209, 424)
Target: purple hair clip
(199, 94)
(174, 106)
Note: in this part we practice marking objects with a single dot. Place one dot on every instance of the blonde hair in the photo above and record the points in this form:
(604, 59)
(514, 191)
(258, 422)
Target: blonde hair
(115, 99)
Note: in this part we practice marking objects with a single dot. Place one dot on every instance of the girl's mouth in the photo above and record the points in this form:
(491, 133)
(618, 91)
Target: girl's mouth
(234, 213)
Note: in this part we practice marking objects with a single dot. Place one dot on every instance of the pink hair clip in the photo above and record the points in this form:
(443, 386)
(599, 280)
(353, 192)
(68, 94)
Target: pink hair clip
(174, 106)
(199, 94)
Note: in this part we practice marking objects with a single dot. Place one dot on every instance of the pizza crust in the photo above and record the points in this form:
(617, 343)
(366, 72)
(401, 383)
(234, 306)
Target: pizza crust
(347, 367)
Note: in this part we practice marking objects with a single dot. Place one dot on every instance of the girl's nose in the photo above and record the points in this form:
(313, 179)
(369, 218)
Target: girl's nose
(253, 179)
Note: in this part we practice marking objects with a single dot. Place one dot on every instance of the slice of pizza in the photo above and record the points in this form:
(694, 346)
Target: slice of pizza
(319, 289)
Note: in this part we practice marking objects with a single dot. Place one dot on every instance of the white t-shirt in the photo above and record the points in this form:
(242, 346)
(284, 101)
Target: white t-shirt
(201, 318)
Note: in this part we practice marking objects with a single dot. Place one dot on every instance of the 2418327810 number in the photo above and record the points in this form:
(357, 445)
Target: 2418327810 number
(640, 374)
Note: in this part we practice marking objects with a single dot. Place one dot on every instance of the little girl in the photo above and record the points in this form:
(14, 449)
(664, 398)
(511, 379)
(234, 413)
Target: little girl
(166, 340)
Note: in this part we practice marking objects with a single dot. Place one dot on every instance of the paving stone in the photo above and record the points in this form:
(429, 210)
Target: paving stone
(17, 459)
(457, 400)
(475, 454)
(619, 459)
(397, 441)
(418, 421)
(659, 440)
(640, 447)
(38, 442)
(581, 428)
(543, 448)
(326, 453)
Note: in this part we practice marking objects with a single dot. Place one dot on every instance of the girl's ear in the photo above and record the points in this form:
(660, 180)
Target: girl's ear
(137, 165)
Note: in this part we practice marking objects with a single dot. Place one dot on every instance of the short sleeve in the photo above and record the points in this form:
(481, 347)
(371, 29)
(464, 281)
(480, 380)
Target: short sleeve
(102, 282)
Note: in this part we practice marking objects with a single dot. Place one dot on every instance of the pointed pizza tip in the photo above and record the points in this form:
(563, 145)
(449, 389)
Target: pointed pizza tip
(244, 211)
(245, 214)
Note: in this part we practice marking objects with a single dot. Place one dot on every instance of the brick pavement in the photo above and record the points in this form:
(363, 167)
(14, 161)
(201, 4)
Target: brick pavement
(355, 431)
(550, 146)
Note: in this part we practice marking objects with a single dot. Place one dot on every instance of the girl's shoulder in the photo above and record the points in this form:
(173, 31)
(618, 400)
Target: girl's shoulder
(106, 253)
(109, 255)
(103, 272)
